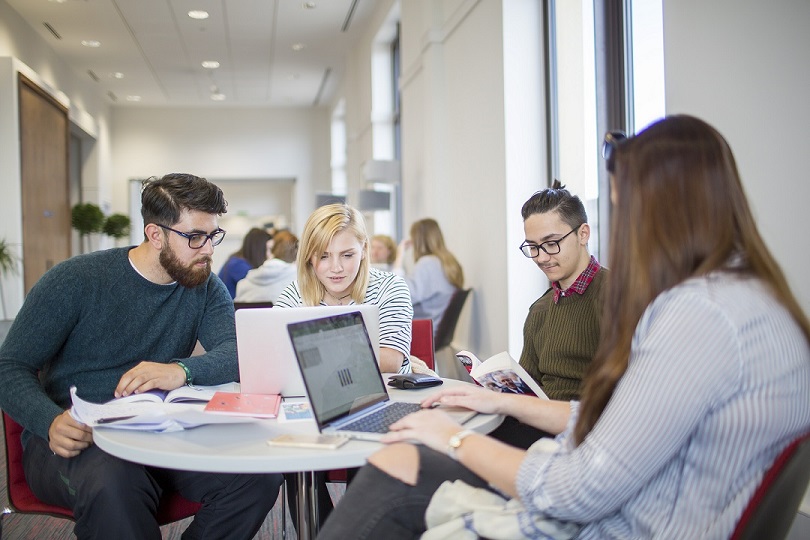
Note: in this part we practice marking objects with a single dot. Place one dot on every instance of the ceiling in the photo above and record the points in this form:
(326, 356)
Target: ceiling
(272, 53)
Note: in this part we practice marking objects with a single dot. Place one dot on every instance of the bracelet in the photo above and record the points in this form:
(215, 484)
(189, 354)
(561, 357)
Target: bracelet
(455, 442)
(188, 373)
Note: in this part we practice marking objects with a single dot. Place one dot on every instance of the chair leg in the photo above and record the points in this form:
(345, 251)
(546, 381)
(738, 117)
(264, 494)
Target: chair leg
(284, 509)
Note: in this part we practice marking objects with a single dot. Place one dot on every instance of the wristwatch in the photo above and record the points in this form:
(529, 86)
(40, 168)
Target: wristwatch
(455, 442)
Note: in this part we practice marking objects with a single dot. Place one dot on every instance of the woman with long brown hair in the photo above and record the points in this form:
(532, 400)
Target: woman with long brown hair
(436, 273)
(700, 380)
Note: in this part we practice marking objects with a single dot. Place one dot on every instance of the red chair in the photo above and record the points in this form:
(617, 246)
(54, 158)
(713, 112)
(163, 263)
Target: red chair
(173, 507)
(772, 509)
(422, 341)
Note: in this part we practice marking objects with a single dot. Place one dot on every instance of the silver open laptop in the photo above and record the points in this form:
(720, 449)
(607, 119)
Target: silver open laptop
(267, 363)
(343, 380)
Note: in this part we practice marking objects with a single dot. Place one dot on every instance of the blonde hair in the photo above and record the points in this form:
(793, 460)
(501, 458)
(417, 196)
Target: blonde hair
(389, 244)
(427, 239)
(321, 227)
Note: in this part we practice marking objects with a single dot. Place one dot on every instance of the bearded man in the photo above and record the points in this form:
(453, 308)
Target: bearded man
(124, 321)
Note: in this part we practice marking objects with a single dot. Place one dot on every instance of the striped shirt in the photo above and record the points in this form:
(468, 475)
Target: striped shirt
(390, 293)
(717, 385)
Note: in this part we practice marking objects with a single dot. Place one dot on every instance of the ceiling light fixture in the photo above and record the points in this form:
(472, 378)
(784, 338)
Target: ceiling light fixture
(298, 46)
(309, 5)
(133, 98)
(218, 97)
(117, 75)
(91, 43)
(198, 14)
(210, 64)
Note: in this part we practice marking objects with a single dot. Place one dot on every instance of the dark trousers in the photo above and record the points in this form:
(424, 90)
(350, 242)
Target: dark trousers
(113, 498)
(377, 505)
(515, 433)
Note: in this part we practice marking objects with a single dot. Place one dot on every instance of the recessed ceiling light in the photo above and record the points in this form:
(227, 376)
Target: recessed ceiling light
(91, 43)
(309, 5)
(117, 75)
(198, 14)
(58, 1)
(218, 97)
(298, 46)
(133, 98)
(210, 64)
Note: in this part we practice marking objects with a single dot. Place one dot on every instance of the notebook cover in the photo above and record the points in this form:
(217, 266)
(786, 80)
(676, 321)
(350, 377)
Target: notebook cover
(236, 403)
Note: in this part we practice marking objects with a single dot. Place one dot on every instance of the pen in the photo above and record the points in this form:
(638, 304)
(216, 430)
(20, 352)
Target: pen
(112, 419)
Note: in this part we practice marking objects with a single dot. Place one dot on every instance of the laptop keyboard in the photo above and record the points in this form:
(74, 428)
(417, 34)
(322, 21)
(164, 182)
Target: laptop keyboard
(378, 421)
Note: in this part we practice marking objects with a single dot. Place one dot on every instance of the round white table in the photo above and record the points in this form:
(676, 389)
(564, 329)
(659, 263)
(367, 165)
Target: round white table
(243, 448)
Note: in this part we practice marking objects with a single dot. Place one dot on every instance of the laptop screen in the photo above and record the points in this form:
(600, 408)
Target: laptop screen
(338, 365)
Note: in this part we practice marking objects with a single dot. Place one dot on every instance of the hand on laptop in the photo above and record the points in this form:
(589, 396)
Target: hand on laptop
(433, 428)
(468, 396)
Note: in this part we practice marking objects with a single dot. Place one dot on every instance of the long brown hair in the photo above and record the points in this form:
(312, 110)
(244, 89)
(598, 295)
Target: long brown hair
(679, 211)
(427, 239)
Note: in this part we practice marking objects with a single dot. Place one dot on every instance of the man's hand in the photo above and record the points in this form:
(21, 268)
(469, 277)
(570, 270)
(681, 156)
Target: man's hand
(148, 376)
(67, 437)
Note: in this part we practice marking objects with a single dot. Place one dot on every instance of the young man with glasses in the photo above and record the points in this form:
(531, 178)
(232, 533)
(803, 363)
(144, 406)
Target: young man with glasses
(124, 321)
(561, 332)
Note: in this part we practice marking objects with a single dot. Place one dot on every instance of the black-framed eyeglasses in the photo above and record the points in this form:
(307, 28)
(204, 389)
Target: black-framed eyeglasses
(613, 139)
(198, 240)
(552, 247)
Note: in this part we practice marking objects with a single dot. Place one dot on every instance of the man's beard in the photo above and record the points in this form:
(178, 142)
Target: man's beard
(188, 276)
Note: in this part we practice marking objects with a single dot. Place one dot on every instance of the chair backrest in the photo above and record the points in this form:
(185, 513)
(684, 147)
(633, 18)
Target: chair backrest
(449, 320)
(422, 341)
(772, 509)
(21, 499)
(248, 305)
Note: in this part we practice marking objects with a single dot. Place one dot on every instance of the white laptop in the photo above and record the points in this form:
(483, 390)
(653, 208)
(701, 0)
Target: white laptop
(267, 363)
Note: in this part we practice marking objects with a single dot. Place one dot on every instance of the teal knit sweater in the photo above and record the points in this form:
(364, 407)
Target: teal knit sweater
(93, 317)
(560, 340)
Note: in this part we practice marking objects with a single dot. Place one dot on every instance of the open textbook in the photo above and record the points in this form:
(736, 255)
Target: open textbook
(500, 373)
(151, 413)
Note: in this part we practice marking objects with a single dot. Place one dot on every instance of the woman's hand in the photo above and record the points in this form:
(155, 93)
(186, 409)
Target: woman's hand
(470, 397)
(432, 428)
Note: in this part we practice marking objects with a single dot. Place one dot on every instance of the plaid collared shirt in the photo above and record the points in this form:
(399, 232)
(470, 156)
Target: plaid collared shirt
(580, 285)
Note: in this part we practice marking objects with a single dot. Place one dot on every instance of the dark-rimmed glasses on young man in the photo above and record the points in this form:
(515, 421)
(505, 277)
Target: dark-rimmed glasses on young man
(551, 247)
(198, 240)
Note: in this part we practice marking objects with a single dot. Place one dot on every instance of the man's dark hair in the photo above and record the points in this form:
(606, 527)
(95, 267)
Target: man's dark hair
(164, 199)
(559, 199)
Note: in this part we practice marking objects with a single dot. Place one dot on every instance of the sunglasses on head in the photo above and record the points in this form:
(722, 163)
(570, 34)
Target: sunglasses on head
(613, 139)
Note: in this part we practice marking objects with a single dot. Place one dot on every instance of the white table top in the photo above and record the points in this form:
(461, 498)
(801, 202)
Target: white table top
(243, 448)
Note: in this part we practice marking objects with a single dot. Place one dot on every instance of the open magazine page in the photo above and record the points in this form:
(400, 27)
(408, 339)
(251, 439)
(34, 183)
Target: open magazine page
(501, 373)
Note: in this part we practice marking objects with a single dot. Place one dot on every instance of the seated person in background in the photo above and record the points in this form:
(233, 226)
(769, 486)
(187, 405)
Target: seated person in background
(251, 255)
(383, 252)
(436, 273)
(649, 452)
(128, 319)
(265, 283)
(334, 269)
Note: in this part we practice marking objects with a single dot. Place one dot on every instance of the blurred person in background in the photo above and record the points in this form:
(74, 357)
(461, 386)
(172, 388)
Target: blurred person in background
(265, 283)
(251, 255)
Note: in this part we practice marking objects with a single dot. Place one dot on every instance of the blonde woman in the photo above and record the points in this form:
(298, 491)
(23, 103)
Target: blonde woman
(334, 269)
(383, 252)
(436, 273)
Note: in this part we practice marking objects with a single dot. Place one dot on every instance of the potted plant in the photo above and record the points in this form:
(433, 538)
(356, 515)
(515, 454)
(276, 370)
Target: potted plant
(8, 265)
(87, 218)
(116, 226)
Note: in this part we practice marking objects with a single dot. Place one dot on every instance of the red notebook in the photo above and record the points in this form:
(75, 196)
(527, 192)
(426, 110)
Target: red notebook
(259, 405)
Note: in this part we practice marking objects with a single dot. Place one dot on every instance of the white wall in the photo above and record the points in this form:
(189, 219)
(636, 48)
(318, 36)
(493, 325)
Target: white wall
(742, 66)
(22, 50)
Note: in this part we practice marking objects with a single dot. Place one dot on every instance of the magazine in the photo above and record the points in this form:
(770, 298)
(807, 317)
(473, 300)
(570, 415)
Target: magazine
(500, 373)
